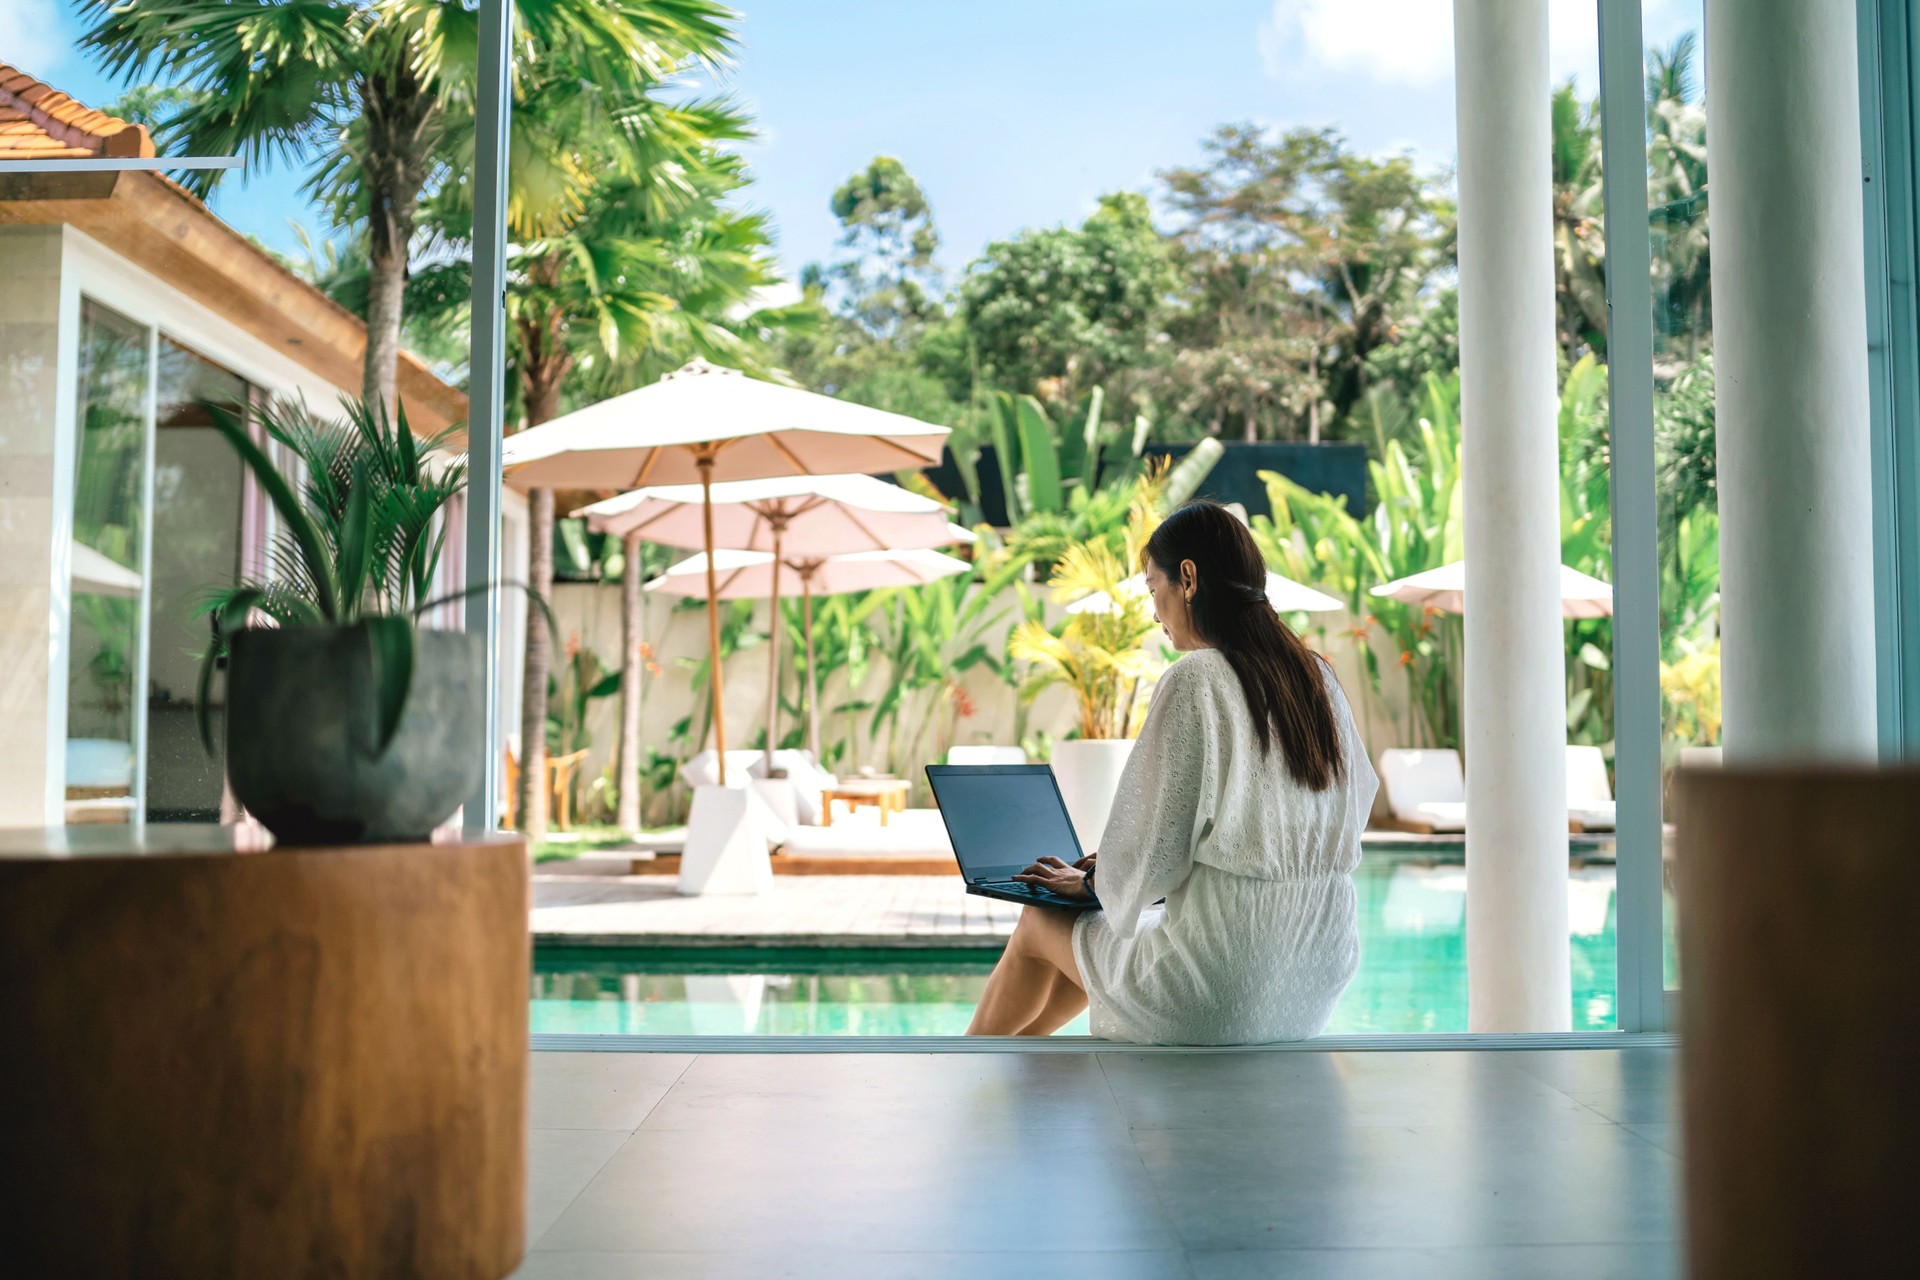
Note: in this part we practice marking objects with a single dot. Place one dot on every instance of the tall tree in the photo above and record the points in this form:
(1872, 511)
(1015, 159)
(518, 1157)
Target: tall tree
(887, 279)
(1302, 256)
(877, 305)
(1066, 309)
(364, 95)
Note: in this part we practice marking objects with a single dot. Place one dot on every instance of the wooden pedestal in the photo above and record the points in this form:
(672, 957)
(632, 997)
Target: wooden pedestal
(284, 1063)
(1800, 1047)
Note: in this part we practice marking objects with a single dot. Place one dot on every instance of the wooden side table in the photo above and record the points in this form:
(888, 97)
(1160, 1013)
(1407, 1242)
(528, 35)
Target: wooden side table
(233, 1061)
(889, 795)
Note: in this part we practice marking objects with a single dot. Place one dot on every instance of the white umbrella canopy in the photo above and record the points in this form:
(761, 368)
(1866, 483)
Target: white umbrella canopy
(748, 428)
(751, 575)
(1286, 596)
(1445, 588)
(797, 515)
(792, 516)
(704, 424)
(95, 574)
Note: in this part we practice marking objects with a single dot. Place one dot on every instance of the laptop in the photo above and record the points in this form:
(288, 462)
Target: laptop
(1003, 818)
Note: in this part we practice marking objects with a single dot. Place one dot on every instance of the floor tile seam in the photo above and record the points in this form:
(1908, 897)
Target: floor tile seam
(692, 1059)
(1167, 1217)
(585, 1183)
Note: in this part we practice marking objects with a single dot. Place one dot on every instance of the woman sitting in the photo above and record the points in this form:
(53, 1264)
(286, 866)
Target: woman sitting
(1241, 805)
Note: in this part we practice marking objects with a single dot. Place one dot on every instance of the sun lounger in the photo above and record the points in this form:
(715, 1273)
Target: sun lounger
(1426, 791)
(1589, 795)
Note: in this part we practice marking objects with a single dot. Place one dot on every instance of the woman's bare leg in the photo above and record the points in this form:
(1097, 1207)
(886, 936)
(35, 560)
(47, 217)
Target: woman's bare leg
(1064, 1003)
(1019, 989)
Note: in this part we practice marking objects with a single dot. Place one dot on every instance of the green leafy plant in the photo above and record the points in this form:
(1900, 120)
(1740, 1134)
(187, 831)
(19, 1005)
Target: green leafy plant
(1100, 655)
(360, 539)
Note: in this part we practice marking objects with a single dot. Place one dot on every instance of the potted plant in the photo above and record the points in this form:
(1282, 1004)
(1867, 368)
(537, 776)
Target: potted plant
(1100, 654)
(343, 722)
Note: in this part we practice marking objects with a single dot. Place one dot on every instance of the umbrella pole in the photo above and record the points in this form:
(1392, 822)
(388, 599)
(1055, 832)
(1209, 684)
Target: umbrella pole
(773, 651)
(813, 682)
(632, 617)
(704, 460)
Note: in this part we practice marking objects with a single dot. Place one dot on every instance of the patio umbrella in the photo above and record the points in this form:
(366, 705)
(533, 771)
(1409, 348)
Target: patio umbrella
(94, 574)
(1445, 588)
(750, 575)
(704, 424)
(1286, 596)
(802, 517)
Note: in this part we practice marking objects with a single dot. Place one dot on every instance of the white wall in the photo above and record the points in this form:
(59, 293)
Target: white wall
(36, 484)
(589, 614)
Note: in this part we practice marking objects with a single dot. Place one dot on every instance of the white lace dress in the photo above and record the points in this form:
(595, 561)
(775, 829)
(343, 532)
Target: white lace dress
(1258, 936)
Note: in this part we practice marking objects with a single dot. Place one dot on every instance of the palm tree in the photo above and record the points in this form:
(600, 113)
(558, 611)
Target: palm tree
(1677, 197)
(364, 95)
(626, 294)
(1579, 248)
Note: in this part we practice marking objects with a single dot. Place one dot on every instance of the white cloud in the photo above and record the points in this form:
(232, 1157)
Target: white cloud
(1394, 41)
(1410, 42)
(30, 36)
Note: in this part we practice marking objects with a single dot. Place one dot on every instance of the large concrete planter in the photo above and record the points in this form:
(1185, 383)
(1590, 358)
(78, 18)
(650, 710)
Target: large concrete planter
(1088, 771)
(279, 1063)
(1796, 890)
(301, 747)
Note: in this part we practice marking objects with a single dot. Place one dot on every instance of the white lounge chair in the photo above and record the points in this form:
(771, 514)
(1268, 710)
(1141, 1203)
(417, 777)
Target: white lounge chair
(975, 754)
(1426, 791)
(1589, 796)
(808, 781)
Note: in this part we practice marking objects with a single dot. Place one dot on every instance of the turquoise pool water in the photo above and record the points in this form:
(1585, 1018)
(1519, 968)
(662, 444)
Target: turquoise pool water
(1412, 974)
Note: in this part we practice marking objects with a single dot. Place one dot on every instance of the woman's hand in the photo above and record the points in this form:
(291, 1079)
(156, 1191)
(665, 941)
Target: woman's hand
(1051, 873)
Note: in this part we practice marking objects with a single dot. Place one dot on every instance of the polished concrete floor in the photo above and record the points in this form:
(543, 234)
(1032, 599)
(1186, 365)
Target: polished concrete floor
(1104, 1166)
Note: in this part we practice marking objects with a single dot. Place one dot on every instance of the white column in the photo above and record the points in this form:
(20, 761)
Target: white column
(1515, 670)
(1790, 358)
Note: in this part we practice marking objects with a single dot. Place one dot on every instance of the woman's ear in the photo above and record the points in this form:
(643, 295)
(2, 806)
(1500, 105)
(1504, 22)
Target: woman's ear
(1189, 579)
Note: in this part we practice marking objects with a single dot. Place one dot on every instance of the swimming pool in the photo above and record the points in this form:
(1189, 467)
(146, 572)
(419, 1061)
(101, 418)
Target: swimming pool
(1412, 974)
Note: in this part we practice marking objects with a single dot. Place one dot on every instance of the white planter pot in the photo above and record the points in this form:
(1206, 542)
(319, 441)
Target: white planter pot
(1088, 771)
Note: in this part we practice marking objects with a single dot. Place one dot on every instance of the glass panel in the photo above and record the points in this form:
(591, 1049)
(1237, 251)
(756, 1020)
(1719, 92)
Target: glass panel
(1683, 406)
(108, 523)
(197, 524)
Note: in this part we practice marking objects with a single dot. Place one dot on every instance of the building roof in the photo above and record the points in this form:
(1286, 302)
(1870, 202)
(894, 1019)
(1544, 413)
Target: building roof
(38, 122)
(155, 223)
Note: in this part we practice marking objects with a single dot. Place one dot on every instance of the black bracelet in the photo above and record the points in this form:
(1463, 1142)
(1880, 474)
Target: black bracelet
(1087, 884)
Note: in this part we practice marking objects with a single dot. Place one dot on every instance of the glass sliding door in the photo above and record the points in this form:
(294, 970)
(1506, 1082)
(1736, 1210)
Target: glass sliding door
(105, 654)
(1687, 501)
(198, 514)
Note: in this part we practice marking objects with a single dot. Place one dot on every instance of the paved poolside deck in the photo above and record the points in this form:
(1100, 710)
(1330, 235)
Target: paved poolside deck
(572, 909)
(1175, 1165)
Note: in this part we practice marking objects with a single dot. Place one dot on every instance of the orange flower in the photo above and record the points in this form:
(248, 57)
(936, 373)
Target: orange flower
(1406, 657)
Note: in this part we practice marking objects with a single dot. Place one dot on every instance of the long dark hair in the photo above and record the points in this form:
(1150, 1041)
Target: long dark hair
(1281, 677)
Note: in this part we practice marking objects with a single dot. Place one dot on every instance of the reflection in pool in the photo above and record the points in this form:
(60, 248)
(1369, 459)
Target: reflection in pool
(1412, 974)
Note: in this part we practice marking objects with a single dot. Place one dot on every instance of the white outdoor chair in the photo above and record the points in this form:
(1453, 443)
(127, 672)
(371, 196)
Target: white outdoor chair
(1426, 790)
(1589, 797)
(986, 755)
(702, 770)
(808, 780)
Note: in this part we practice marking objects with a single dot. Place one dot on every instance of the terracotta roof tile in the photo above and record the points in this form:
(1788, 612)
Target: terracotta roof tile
(38, 122)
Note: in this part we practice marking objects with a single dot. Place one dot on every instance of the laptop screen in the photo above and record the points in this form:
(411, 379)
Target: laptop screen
(1002, 818)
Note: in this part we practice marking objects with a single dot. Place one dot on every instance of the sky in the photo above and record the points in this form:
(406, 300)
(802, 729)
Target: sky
(1010, 113)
